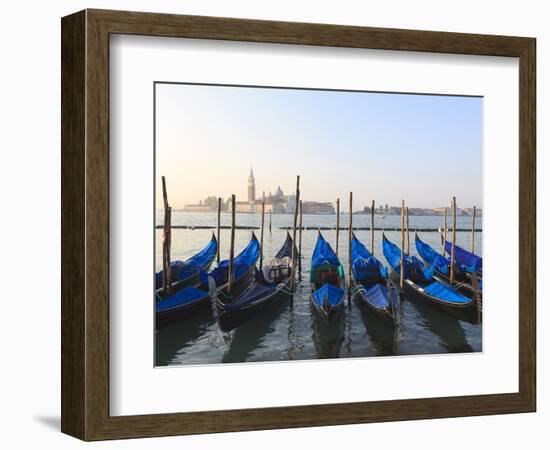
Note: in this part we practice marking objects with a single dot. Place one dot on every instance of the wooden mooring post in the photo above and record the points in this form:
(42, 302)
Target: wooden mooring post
(473, 229)
(293, 268)
(166, 242)
(350, 234)
(402, 262)
(372, 228)
(218, 231)
(300, 242)
(262, 237)
(231, 246)
(444, 230)
(452, 277)
(407, 229)
(337, 224)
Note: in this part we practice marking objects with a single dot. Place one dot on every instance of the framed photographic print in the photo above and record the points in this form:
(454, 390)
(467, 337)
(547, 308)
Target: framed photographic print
(270, 224)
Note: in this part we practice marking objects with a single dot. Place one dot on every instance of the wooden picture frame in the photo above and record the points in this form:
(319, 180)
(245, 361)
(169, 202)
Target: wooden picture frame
(85, 224)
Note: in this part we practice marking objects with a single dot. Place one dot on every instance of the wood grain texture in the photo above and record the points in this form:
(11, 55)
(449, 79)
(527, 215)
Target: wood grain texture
(85, 224)
(73, 269)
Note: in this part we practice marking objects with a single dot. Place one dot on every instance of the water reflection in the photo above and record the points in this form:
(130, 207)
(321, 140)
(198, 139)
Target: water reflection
(177, 337)
(383, 334)
(446, 327)
(249, 339)
(328, 336)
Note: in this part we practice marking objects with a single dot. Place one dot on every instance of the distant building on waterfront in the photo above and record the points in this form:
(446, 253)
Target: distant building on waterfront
(317, 208)
(251, 187)
(278, 203)
(200, 207)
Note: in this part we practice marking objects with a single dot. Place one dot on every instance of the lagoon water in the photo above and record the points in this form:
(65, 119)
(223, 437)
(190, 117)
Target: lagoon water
(292, 332)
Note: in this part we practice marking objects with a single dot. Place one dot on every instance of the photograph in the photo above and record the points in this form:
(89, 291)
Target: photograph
(300, 224)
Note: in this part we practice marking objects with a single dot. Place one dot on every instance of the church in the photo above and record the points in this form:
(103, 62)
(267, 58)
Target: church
(277, 203)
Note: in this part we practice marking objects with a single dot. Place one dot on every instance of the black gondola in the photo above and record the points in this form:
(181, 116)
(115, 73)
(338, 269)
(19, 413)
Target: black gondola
(463, 281)
(272, 285)
(193, 298)
(371, 285)
(420, 284)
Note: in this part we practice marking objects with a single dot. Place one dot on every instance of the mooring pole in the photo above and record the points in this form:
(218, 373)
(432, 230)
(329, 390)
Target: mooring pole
(166, 242)
(337, 223)
(293, 268)
(372, 228)
(218, 231)
(350, 234)
(231, 246)
(444, 230)
(402, 262)
(269, 221)
(300, 242)
(473, 229)
(407, 228)
(452, 279)
(262, 237)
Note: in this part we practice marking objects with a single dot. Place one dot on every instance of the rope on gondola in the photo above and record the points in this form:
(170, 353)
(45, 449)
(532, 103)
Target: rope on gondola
(358, 290)
(226, 296)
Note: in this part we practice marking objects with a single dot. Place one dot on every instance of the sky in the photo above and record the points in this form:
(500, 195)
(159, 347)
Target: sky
(382, 146)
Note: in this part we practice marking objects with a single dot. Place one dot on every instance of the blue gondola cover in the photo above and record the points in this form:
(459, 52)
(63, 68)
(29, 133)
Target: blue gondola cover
(333, 294)
(180, 299)
(323, 253)
(445, 292)
(241, 264)
(366, 268)
(414, 268)
(180, 270)
(470, 262)
(433, 258)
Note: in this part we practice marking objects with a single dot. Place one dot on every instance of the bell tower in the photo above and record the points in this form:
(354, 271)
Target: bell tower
(251, 187)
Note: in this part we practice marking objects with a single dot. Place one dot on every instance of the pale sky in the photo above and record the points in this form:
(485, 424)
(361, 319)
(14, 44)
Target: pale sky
(387, 147)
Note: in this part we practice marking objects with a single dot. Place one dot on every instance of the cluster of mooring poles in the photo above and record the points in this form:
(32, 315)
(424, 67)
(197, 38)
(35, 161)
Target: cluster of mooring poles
(298, 227)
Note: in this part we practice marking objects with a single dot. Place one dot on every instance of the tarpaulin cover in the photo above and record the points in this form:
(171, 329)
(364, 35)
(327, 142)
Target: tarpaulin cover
(254, 293)
(468, 261)
(323, 253)
(185, 297)
(180, 270)
(414, 268)
(286, 249)
(333, 294)
(241, 264)
(445, 292)
(261, 289)
(366, 268)
(377, 295)
(433, 258)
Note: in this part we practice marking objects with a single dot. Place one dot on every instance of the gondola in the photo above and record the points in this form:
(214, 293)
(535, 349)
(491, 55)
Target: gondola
(372, 286)
(185, 273)
(326, 281)
(188, 300)
(468, 260)
(420, 284)
(464, 282)
(271, 286)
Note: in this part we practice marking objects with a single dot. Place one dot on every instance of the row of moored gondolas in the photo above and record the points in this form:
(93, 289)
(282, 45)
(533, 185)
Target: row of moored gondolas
(370, 283)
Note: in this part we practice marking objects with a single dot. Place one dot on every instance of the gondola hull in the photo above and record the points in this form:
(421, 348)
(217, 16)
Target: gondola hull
(462, 283)
(468, 312)
(363, 301)
(166, 317)
(191, 267)
(328, 311)
(169, 316)
(231, 318)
